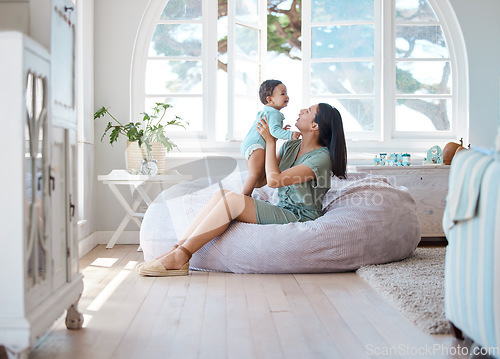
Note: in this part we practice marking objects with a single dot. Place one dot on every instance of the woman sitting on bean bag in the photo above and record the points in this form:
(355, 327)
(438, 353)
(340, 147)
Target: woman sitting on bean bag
(301, 172)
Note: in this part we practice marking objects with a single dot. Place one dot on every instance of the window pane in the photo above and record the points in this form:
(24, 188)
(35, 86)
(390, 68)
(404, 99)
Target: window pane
(247, 42)
(425, 77)
(342, 77)
(420, 41)
(221, 116)
(284, 29)
(341, 10)
(342, 41)
(423, 115)
(163, 76)
(357, 114)
(414, 10)
(176, 40)
(246, 79)
(246, 112)
(188, 108)
(247, 11)
(182, 10)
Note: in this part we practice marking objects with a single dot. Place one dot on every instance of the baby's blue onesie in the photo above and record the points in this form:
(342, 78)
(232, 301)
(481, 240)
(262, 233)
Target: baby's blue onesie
(254, 139)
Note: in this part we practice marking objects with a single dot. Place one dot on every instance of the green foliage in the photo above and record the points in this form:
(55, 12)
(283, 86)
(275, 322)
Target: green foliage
(150, 130)
(405, 82)
(284, 27)
(275, 42)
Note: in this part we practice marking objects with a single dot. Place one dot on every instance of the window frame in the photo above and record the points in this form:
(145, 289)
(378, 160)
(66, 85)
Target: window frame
(261, 28)
(307, 62)
(387, 140)
(393, 140)
(452, 96)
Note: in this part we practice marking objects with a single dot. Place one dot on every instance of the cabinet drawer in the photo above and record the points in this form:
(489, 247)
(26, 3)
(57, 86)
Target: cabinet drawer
(428, 186)
(429, 192)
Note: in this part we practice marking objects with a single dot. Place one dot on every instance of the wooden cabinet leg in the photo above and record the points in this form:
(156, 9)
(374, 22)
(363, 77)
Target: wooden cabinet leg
(74, 319)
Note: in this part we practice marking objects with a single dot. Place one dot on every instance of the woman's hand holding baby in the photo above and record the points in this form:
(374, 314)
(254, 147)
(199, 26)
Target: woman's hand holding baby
(263, 129)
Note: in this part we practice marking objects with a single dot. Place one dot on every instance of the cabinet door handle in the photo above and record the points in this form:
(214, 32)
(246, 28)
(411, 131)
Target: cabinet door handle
(68, 8)
(52, 182)
(71, 209)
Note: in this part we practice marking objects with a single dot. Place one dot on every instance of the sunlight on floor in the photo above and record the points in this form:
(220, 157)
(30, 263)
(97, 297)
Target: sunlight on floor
(104, 262)
(86, 320)
(130, 265)
(103, 296)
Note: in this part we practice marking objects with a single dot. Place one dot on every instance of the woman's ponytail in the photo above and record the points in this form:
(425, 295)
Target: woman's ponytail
(331, 135)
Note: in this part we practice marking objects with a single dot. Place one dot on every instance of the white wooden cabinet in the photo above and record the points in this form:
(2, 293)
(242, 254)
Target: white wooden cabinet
(39, 273)
(63, 51)
(428, 185)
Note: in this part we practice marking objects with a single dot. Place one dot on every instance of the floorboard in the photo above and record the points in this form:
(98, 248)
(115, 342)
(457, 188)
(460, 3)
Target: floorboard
(223, 315)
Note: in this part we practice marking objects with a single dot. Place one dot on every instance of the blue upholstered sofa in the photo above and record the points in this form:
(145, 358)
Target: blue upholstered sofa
(472, 226)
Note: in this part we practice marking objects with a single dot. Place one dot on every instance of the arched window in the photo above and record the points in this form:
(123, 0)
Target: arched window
(396, 69)
(174, 67)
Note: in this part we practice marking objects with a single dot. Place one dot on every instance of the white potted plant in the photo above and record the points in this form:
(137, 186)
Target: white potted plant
(150, 134)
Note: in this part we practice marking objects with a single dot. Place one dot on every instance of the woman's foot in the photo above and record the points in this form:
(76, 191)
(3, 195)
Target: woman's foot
(168, 252)
(174, 263)
(175, 259)
(138, 266)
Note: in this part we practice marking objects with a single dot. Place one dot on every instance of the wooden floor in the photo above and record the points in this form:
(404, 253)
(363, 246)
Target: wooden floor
(222, 315)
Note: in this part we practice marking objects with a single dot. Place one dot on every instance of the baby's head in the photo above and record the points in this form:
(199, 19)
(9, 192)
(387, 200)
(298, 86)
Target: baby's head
(266, 89)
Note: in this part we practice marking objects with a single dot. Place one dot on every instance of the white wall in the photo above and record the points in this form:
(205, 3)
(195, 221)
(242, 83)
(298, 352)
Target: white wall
(480, 26)
(29, 17)
(14, 16)
(40, 13)
(116, 27)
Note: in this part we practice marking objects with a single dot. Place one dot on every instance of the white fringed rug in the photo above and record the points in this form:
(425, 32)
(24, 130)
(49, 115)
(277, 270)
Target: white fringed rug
(415, 286)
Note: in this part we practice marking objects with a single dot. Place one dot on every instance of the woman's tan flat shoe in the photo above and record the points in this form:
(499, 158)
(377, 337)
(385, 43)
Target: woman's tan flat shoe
(138, 266)
(154, 268)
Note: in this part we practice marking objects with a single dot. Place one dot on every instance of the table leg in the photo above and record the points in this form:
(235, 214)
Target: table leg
(130, 211)
(144, 193)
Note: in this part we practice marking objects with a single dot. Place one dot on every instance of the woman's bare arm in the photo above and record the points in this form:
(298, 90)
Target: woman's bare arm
(263, 181)
(275, 178)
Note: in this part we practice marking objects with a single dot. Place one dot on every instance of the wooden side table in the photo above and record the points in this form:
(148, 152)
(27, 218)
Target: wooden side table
(428, 185)
(140, 185)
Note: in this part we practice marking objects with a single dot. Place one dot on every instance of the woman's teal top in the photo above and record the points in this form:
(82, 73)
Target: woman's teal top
(305, 199)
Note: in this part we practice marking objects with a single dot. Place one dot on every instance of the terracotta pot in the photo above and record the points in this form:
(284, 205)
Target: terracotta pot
(136, 154)
(449, 151)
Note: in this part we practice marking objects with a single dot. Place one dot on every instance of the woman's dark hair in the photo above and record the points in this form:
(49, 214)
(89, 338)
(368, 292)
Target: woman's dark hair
(267, 88)
(331, 135)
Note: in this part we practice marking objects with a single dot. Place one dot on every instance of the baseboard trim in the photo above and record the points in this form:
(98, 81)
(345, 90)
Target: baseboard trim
(86, 244)
(127, 237)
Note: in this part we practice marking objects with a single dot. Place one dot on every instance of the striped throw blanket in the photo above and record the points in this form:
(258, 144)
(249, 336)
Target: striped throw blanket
(472, 225)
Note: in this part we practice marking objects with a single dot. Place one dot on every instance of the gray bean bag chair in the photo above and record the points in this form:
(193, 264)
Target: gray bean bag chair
(367, 221)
